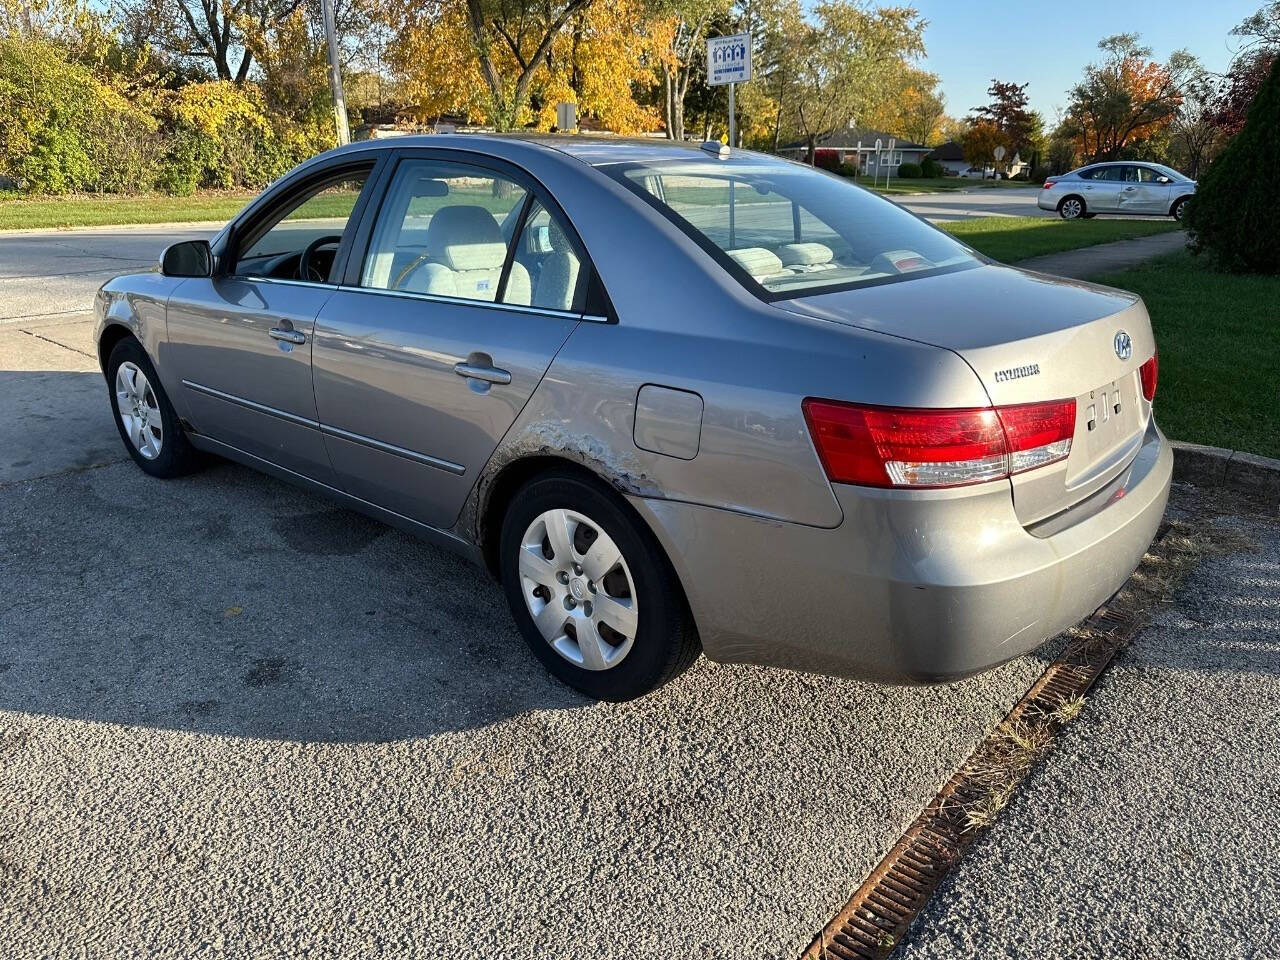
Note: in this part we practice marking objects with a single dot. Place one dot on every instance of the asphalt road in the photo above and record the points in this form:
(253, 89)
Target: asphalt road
(237, 721)
(1153, 828)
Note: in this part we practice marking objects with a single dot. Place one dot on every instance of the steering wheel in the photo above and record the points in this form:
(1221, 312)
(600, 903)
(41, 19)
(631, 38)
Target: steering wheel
(308, 270)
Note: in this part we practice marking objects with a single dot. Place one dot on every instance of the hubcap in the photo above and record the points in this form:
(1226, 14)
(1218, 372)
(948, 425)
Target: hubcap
(139, 410)
(578, 589)
(1072, 209)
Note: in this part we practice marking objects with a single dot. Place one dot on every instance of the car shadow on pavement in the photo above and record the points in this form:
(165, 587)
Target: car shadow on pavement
(229, 602)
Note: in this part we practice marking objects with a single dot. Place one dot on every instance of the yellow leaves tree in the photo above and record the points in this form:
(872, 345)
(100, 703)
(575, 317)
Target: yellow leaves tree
(511, 71)
(911, 108)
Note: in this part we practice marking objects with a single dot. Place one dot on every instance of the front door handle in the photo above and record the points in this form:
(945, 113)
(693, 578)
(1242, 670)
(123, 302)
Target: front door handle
(288, 336)
(486, 372)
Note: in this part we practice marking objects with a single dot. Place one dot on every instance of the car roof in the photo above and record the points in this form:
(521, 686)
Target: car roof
(593, 150)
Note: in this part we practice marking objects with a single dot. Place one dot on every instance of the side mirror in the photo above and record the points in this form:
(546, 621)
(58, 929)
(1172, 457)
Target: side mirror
(190, 258)
(1163, 180)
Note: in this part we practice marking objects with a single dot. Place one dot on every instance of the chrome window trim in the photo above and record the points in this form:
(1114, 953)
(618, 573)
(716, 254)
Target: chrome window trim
(425, 459)
(251, 405)
(465, 302)
(284, 282)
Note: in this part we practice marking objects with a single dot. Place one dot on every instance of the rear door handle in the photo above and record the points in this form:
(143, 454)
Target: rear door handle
(288, 336)
(486, 372)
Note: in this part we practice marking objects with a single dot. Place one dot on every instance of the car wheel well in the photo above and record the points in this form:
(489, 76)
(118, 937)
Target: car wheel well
(503, 488)
(517, 474)
(1182, 199)
(111, 336)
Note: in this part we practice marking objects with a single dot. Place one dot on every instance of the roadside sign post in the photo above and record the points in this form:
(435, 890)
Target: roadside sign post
(999, 152)
(729, 61)
(875, 174)
(888, 171)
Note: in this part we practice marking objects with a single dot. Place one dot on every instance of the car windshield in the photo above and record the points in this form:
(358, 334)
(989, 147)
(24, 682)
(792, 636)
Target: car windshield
(787, 230)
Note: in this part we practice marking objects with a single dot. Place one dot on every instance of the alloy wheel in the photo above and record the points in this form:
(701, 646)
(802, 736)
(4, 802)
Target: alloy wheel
(578, 589)
(139, 411)
(1071, 209)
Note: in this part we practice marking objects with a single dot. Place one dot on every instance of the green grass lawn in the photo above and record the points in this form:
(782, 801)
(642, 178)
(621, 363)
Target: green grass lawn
(899, 185)
(1009, 239)
(1219, 341)
(91, 210)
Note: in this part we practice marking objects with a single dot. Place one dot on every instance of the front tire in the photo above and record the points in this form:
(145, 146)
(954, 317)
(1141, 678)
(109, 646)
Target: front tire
(1179, 209)
(591, 590)
(144, 416)
(1071, 208)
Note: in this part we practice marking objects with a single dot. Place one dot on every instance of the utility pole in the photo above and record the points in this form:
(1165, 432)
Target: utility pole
(335, 76)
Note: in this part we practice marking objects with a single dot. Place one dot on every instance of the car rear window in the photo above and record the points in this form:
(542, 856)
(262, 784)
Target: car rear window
(786, 230)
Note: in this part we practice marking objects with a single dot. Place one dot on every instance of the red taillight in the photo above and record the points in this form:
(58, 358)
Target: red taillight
(896, 447)
(1049, 183)
(1150, 372)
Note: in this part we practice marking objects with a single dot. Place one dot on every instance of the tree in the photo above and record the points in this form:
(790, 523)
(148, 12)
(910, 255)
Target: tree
(208, 32)
(689, 20)
(1126, 97)
(1233, 216)
(843, 61)
(1239, 88)
(912, 107)
(980, 142)
(1194, 132)
(1263, 28)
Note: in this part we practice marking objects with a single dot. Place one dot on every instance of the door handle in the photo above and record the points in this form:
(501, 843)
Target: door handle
(1130, 189)
(288, 336)
(486, 372)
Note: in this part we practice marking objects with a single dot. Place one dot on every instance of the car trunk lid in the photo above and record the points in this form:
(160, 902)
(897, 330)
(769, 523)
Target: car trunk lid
(1029, 338)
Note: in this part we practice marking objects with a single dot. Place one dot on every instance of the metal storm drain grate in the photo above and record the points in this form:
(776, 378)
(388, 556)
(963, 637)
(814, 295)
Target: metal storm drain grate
(876, 918)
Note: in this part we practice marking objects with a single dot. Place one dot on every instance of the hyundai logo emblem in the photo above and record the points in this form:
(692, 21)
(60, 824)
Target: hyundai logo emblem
(1124, 346)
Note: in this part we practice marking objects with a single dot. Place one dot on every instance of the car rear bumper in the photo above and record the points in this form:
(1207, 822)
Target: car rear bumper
(1046, 202)
(911, 587)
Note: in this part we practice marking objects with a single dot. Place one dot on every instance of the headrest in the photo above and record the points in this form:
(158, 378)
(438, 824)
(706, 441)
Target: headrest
(757, 261)
(805, 254)
(465, 237)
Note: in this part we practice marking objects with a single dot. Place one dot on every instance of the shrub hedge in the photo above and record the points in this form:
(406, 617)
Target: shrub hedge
(65, 129)
(1235, 215)
(911, 170)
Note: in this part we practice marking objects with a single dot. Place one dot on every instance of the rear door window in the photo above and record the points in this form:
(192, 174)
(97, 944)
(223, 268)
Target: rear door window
(444, 229)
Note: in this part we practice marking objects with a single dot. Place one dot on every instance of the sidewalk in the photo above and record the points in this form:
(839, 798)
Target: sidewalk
(1105, 257)
(1151, 829)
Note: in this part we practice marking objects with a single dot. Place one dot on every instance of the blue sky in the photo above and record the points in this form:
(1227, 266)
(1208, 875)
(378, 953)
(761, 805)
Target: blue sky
(1048, 44)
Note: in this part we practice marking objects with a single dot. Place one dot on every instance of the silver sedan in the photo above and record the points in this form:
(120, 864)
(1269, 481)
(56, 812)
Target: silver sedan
(1132, 189)
(677, 399)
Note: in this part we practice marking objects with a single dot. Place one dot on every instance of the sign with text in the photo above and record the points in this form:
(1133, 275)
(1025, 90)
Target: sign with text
(728, 59)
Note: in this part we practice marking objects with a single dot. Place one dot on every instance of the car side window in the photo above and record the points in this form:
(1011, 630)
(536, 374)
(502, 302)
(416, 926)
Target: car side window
(441, 231)
(1110, 174)
(302, 240)
(1147, 175)
(1089, 174)
(547, 269)
(1129, 174)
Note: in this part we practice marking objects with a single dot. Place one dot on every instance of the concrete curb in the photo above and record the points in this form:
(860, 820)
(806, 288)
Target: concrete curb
(1235, 470)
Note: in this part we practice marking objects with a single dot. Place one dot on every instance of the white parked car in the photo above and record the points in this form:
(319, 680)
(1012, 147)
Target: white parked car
(978, 173)
(1137, 189)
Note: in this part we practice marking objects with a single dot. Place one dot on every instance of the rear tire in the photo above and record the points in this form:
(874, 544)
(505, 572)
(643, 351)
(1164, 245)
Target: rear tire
(569, 599)
(138, 401)
(1071, 208)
